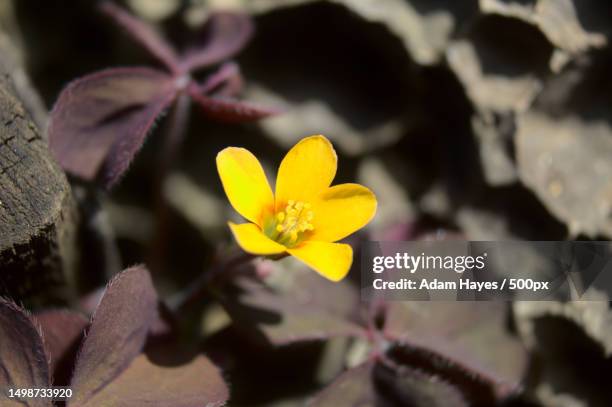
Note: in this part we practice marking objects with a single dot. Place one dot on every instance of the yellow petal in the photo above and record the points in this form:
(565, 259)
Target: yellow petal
(331, 260)
(245, 183)
(342, 210)
(252, 240)
(306, 171)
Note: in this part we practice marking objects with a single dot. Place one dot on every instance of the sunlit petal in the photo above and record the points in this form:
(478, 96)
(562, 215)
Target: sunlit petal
(245, 183)
(252, 240)
(331, 260)
(342, 210)
(306, 171)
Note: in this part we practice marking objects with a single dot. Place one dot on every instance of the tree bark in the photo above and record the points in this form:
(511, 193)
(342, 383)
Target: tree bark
(37, 213)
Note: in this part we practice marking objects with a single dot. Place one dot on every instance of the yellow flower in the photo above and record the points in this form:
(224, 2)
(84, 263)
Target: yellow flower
(305, 215)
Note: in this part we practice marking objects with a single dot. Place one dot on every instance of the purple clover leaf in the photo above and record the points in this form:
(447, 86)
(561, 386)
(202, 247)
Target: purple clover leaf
(104, 355)
(420, 353)
(100, 121)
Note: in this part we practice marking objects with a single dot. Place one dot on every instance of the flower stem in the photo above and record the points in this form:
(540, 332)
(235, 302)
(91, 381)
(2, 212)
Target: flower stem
(177, 128)
(218, 275)
(175, 131)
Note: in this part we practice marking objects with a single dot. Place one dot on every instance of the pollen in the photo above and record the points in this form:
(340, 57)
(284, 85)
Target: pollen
(289, 225)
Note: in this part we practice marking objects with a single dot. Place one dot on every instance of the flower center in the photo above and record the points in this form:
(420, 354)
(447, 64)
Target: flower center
(289, 226)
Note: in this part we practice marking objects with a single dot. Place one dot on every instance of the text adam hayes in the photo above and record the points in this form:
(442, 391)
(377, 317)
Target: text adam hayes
(414, 263)
(441, 264)
(434, 284)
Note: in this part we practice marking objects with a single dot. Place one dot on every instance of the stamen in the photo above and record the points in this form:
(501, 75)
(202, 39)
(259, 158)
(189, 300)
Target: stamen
(288, 226)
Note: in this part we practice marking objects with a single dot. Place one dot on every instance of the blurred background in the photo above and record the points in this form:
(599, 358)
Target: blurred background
(483, 120)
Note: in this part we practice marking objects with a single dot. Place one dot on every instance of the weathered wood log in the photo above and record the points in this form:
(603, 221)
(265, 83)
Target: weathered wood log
(37, 214)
